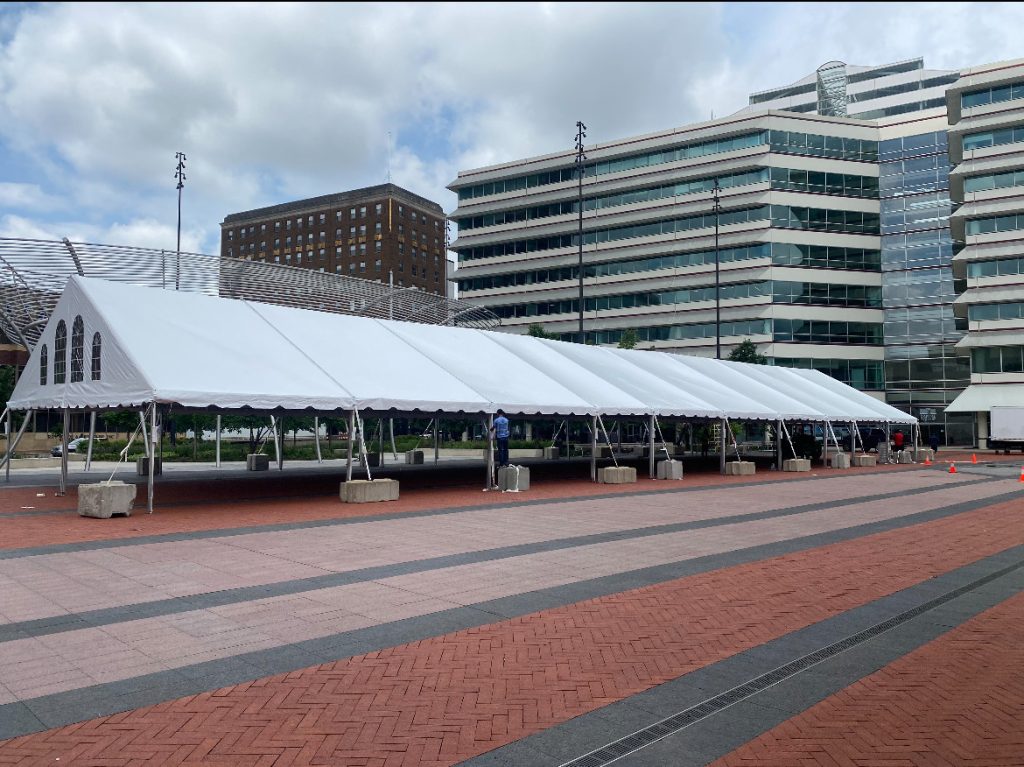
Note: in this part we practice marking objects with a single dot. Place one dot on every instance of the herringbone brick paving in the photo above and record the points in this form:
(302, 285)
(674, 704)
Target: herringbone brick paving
(442, 700)
(958, 700)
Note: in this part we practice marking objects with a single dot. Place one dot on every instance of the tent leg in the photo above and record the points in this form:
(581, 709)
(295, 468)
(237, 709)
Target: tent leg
(316, 438)
(723, 425)
(351, 438)
(490, 452)
(17, 438)
(279, 441)
(63, 487)
(593, 449)
(391, 431)
(217, 461)
(7, 433)
(778, 445)
(152, 463)
(92, 436)
(145, 434)
(437, 447)
(650, 449)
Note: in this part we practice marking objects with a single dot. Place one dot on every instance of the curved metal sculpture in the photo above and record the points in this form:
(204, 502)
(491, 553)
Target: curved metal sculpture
(33, 274)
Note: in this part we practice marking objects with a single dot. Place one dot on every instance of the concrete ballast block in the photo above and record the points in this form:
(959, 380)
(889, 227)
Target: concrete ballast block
(257, 462)
(368, 490)
(616, 475)
(551, 453)
(840, 460)
(513, 478)
(414, 456)
(670, 469)
(797, 464)
(740, 467)
(864, 460)
(142, 466)
(105, 499)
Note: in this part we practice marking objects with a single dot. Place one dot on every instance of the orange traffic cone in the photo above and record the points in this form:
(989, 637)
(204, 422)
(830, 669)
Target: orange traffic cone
(952, 468)
(927, 461)
(974, 458)
(1022, 473)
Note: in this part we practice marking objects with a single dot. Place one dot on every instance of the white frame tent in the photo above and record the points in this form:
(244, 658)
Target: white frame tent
(160, 348)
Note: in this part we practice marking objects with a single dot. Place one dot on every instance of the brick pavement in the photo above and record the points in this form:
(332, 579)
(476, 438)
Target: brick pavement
(957, 701)
(444, 699)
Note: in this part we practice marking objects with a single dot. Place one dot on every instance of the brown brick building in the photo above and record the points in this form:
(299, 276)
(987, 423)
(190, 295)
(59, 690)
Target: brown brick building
(364, 233)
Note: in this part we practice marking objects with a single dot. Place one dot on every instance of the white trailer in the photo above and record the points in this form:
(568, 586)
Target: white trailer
(1006, 427)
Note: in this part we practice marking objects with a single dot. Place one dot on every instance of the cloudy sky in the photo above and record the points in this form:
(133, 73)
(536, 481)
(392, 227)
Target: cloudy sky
(277, 102)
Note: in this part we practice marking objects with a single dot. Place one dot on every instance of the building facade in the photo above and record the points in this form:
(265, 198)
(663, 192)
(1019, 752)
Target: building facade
(986, 148)
(798, 258)
(379, 233)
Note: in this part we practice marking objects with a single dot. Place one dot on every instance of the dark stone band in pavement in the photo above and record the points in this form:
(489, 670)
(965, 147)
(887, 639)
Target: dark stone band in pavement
(59, 709)
(106, 616)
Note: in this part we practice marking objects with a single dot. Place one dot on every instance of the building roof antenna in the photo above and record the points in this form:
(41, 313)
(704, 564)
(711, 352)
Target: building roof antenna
(389, 157)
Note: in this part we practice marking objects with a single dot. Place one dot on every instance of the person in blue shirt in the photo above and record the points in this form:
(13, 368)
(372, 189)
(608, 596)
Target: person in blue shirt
(501, 432)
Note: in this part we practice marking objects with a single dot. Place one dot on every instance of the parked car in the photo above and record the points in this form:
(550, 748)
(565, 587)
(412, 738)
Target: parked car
(72, 447)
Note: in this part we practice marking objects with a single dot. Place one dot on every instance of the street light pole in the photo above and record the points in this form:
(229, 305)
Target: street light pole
(718, 285)
(580, 157)
(180, 175)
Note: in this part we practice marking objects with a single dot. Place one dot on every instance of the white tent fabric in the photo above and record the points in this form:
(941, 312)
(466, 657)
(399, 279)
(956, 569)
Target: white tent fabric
(198, 351)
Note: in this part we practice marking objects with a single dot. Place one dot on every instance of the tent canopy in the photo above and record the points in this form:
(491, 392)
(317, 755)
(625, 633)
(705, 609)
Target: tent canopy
(134, 345)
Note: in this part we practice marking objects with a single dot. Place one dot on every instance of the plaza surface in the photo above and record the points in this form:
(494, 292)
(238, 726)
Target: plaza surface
(844, 617)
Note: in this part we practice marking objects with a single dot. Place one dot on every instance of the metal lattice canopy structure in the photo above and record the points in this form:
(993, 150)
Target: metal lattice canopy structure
(33, 274)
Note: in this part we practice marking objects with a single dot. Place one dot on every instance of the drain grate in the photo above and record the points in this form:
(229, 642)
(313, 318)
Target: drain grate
(645, 737)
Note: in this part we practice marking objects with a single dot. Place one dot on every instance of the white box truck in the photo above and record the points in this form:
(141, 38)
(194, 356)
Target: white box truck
(1006, 428)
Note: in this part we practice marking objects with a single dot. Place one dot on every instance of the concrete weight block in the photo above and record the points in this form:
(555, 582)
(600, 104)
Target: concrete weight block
(743, 468)
(616, 475)
(257, 462)
(368, 490)
(670, 469)
(864, 460)
(414, 456)
(551, 453)
(839, 460)
(105, 499)
(513, 478)
(797, 464)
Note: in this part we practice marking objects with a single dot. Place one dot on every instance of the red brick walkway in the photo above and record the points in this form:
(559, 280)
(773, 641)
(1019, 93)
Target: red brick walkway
(442, 700)
(959, 700)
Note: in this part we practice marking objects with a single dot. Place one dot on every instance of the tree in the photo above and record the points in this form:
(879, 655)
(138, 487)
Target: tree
(6, 384)
(747, 352)
(537, 331)
(629, 339)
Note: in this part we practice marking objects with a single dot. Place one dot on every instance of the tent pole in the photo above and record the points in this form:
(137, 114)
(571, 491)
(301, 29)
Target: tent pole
(490, 452)
(17, 438)
(7, 442)
(64, 454)
(217, 462)
(778, 445)
(316, 438)
(593, 448)
(391, 430)
(351, 437)
(437, 430)
(279, 441)
(722, 426)
(152, 461)
(650, 449)
(145, 434)
(92, 436)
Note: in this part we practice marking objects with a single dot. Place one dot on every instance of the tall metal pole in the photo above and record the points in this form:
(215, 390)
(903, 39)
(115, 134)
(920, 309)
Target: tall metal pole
(718, 286)
(180, 175)
(580, 157)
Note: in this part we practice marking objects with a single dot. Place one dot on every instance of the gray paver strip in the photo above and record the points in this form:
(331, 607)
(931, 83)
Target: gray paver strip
(187, 638)
(58, 584)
